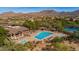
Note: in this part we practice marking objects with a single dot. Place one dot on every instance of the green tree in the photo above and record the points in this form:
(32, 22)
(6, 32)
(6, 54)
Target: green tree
(3, 35)
(61, 47)
(34, 25)
(58, 39)
(74, 36)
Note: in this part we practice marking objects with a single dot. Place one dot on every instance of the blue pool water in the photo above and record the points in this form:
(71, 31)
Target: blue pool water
(43, 35)
(71, 29)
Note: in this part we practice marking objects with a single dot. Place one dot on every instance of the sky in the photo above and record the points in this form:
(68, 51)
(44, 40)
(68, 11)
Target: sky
(36, 9)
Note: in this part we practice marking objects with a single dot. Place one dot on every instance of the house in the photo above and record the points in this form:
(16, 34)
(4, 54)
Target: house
(16, 32)
(71, 19)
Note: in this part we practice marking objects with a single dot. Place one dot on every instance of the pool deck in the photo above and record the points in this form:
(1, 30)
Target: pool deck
(33, 34)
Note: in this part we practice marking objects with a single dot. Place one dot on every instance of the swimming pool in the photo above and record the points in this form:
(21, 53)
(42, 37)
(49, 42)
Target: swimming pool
(71, 29)
(43, 35)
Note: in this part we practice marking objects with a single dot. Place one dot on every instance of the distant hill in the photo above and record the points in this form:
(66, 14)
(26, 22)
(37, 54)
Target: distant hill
(38, 14)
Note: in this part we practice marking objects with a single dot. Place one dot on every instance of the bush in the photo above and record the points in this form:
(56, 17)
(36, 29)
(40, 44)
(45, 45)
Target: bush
(3, 35)
(61, 47)
(58, 39)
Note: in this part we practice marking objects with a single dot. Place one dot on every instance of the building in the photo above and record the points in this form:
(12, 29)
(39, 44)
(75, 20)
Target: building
(16, 32)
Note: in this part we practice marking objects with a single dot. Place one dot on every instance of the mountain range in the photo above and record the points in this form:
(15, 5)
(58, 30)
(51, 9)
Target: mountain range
(38, 14)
